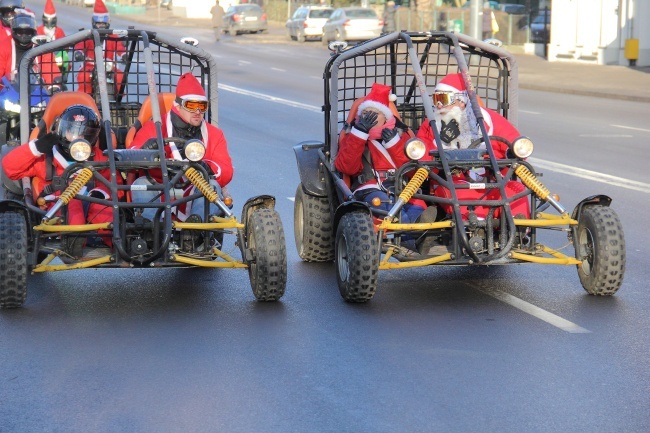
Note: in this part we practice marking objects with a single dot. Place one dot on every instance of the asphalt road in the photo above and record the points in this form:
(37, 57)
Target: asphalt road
(499, 349)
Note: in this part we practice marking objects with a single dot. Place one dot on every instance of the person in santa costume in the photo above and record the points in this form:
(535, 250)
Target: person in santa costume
(23, 29)
(372, 150)
(7, 13)
(186, 120)
(50, 29)
(50, 153)
(458, 124)
(458, 129)
(113, 49)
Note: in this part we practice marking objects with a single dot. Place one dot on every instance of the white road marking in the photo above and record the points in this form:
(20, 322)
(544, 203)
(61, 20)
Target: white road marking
(244, 62)
(316, 78)
(630, 127)
(529, 112)
(535, 311)
(270, 98)
(278, 70)
(291, 198)
(591, 175)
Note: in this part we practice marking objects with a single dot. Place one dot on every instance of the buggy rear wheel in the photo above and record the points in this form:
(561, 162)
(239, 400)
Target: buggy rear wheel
(268, 269)
(600, 245)
(312, 227)
(357, 257)
(13, 260)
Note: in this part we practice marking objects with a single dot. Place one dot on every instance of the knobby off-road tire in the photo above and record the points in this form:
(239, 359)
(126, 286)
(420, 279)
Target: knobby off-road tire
(13, 260)
(601, 245)
(357, 257)
(268, 271)
(312, 227)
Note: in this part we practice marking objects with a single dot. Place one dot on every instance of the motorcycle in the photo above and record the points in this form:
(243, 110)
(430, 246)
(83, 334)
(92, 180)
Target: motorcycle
(10, 108)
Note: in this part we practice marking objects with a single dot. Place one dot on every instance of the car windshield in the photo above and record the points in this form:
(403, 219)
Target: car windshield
(248, 8)
(540, 19)
(361, 13)
(320, 13)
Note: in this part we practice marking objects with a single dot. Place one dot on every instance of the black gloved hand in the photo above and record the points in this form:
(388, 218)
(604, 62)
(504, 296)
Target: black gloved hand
(150, 144)
(388, 134)
(449, 131)
(79, 56)
(366, 121)
(46, 143)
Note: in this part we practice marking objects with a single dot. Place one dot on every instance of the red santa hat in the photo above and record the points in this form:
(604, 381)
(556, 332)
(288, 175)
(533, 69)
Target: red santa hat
(453, 83)
(188, 87)
(379, 98)
(100, 9)
(49, 11)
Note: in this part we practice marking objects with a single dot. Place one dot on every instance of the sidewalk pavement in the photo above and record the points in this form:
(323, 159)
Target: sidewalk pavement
(535, 72)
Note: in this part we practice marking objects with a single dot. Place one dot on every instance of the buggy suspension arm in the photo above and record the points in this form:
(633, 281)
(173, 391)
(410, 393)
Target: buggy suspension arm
(534, 184)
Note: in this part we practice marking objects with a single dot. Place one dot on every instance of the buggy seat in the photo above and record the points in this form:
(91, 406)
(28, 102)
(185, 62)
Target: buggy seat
(165, 102)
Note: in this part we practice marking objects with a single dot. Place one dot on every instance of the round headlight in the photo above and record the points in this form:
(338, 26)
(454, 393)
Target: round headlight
(109, 65)
(522, 147)
(415, 149)
(194, 150)
(80, 150)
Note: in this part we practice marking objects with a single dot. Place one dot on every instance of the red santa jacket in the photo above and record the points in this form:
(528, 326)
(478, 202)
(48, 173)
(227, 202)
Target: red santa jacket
(495, 124)
(216, 152)
(58, 32)
(5, 33)
(387, 156)
(44, 64)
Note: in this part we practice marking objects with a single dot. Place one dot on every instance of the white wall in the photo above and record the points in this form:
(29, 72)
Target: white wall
(595, 31)
(193, 8)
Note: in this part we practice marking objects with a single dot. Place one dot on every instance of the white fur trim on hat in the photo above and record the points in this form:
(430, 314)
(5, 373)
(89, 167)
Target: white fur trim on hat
(192, 97)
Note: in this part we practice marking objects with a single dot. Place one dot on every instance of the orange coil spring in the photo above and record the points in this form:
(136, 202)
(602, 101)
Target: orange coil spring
(202, 184)
(414, 184)
(80, 180)
(532, 182)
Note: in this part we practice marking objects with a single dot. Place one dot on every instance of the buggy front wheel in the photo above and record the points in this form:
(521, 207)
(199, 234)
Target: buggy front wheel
(357, 257)
(13, 260)
(268, 269)
(600, 245)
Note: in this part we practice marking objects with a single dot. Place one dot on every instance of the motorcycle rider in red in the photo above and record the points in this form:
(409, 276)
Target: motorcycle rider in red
(7, 13)
(113, 50)
(49, 27)
(38, 158)
(23, 29)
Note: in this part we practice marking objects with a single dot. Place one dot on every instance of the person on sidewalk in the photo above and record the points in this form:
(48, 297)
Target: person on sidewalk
(217, 20)
(389, 17)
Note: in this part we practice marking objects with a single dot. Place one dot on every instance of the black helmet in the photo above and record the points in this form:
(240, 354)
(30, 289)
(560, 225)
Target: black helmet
(7, 10)
(49, 22)
(23, 29)
(101, 22)
(77, 121)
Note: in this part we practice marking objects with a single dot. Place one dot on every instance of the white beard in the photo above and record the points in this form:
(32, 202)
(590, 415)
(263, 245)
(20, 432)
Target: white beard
(49, 32)
(456, 113)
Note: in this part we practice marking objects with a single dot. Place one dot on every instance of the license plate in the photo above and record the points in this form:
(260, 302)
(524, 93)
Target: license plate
(251, 18)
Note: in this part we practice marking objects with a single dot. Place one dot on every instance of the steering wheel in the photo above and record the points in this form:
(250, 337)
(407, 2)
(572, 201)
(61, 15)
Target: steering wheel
(476, 143)
(152, 143)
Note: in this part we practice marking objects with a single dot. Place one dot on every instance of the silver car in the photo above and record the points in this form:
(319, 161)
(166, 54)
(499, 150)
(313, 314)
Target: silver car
(352, 23)
(307, 22)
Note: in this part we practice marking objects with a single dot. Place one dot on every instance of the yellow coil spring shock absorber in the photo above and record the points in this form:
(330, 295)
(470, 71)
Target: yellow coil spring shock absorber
(531, 181)
(82, 178)
(416, 182)
(202, 184)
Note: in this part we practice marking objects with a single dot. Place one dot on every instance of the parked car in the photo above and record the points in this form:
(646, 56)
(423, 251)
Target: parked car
(89, 2)
(245, 18)
(540, 28)
(352, 23)
(512, 8)
(166, 4)
(307, 22)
